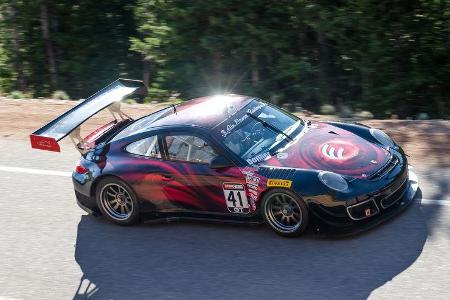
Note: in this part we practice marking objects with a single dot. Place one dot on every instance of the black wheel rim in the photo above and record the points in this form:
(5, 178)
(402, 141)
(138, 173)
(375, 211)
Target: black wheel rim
(116, 201)
(283, 212)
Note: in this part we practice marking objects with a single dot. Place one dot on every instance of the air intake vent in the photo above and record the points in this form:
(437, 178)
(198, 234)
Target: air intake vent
(388, 167)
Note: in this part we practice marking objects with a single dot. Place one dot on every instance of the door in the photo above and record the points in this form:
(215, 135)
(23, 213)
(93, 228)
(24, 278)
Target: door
(147, 172)
(193, 186)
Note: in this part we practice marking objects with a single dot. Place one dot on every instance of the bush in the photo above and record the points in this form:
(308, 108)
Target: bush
(289, 106)
(363, 115)
(60, 95)
(345, 111)
(156, 94)
(422, 116)
(17, 95)
(327, 109)
(130, 101)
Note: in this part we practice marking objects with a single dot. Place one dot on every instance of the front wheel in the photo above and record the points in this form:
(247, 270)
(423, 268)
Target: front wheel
(117, 201)
(285, 212)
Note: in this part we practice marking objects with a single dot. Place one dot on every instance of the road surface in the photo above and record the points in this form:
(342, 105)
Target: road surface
(50, 249)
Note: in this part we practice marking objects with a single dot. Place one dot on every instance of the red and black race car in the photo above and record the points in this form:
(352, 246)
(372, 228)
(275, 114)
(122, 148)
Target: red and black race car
(232, 158)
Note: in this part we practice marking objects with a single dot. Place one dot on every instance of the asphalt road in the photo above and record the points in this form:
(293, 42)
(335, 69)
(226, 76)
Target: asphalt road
(50, 249)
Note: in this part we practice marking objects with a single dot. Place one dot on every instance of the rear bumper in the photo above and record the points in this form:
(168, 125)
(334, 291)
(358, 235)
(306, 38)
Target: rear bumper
(82, 194)
(385, 214)
(84, 207)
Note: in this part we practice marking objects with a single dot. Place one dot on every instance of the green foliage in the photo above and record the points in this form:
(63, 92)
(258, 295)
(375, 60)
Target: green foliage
(130, 101)
(17, 95)
(156, 94)
(386, 57)
(359, 53)
(89, 40)
(5, 70)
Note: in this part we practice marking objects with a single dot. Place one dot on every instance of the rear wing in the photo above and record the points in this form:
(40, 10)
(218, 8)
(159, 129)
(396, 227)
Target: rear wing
(47, 137)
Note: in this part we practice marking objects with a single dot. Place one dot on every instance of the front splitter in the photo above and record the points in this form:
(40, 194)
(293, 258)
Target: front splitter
(324, 230)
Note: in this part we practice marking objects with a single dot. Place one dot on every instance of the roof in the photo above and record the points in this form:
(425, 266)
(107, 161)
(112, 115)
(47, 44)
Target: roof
(206, 112)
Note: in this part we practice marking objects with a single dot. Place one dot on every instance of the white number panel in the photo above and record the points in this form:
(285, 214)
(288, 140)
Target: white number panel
(236, 198)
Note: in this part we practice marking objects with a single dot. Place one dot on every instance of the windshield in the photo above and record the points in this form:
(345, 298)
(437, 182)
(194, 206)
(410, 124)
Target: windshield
(141, 124)
(253, 140)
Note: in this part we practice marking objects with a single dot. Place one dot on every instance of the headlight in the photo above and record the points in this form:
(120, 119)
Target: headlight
(382, 137)
(333, 181)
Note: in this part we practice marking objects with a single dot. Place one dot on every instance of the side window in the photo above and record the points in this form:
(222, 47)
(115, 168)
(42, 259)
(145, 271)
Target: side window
(146, 147)
(189, 148)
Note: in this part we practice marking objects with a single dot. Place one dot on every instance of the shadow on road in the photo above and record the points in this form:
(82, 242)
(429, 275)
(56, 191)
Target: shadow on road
(204, 261)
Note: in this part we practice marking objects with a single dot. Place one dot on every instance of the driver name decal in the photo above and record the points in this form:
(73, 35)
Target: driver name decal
(233, 125)
(258, 158)
(235, 197)
(235, 122)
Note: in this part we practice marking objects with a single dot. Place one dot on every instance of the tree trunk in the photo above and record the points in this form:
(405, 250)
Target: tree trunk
(325, 82)
(255, 71)
(146, 72)
(21, 83)
(48, 46)
(217, 69)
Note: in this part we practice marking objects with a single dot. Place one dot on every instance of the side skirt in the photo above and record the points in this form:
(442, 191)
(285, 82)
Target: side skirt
(211, 218)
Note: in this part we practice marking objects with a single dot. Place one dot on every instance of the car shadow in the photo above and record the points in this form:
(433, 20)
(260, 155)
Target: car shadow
(216, 261)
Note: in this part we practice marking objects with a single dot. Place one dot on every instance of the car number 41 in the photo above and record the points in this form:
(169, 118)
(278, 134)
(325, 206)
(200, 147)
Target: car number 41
(235, 197)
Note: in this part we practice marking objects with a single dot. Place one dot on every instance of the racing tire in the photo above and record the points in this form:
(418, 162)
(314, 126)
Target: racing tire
(285, 212)
(117, 201)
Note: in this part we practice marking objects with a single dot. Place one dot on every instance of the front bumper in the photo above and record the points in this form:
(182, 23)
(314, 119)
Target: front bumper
(382, 213)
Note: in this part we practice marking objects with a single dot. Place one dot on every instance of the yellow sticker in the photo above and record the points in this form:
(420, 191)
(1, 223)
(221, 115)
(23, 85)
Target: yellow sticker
(279, 183)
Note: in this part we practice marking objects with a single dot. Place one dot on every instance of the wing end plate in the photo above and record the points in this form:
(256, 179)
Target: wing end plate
(44, 143)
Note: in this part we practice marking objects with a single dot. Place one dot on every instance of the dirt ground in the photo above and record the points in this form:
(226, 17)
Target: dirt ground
(426, 142)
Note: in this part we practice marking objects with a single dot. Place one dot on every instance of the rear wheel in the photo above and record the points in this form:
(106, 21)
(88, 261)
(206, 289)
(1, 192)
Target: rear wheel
(117, 201)
(285, 212)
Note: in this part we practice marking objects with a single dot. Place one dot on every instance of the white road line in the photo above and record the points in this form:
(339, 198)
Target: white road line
(434, 202)
(35, 171)
(444, 202)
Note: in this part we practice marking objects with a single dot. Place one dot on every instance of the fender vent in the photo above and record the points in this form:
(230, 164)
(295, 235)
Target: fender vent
(278, 173)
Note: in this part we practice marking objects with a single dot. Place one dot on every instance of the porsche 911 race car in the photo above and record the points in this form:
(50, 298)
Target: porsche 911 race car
(231, 158)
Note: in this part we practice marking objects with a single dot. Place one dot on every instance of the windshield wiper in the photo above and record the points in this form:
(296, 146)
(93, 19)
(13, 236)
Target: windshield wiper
(270, 126)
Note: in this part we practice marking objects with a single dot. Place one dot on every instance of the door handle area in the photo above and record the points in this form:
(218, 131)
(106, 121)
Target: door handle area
(165, 177)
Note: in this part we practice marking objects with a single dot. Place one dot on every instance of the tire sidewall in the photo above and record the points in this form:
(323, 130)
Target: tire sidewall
(303, 208)
(135, 215)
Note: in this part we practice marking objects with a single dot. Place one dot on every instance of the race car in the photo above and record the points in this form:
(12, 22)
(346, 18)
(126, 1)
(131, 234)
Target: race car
(231, 158)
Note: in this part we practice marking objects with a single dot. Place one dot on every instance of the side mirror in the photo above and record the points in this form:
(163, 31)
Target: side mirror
(219, 162)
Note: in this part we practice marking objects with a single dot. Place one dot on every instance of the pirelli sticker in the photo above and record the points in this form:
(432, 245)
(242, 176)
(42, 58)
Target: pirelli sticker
(279, 183)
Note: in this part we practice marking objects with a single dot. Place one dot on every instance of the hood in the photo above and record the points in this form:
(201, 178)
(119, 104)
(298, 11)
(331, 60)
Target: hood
(329, 148)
